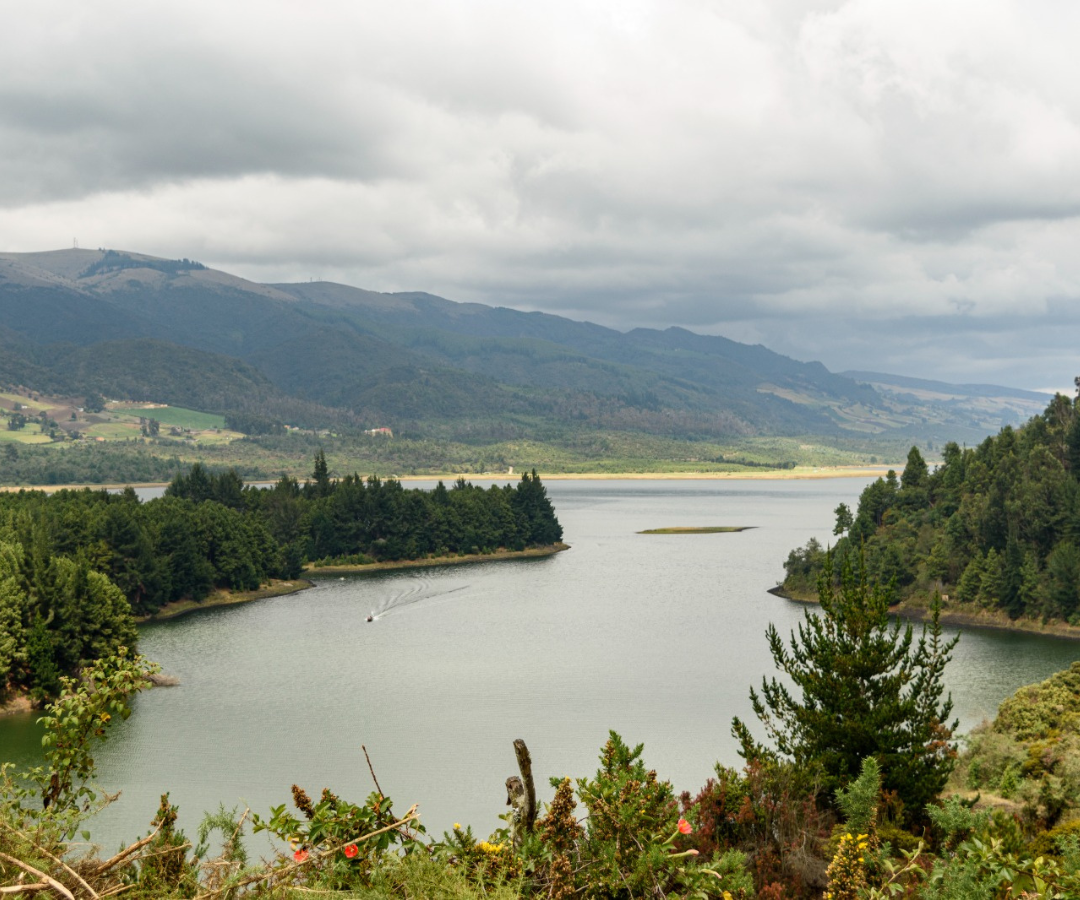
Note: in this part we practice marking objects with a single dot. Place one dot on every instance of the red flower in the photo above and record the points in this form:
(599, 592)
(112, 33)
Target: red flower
(350, 851)
(300, 855)
(685, 827)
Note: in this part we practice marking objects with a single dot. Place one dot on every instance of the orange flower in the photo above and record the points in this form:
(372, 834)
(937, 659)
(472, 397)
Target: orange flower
(685, 827)
(300, 855)
(350, 851)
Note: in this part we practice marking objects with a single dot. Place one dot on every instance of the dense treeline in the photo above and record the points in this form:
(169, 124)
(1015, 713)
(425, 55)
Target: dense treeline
(88, 463)
(997, 525)
(75, 565)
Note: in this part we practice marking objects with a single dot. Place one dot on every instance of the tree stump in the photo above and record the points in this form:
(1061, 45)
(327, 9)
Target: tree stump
(521, 795)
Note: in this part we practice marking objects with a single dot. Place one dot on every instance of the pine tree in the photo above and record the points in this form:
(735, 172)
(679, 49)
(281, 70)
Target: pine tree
(863, 687)
(321, 475)
(1072, 447)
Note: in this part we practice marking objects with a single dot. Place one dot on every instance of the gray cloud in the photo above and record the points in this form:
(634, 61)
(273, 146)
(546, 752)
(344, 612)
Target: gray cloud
(871, 184)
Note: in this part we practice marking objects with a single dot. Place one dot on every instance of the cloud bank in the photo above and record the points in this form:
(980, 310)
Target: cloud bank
(876, 185)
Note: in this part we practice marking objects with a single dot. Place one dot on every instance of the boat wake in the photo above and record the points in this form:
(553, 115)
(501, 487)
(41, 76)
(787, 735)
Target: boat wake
(421, 590)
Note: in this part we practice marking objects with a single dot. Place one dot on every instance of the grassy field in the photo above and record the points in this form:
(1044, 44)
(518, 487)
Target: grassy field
(114, 431)
(179, 417)
(31, 434)
(32, 406)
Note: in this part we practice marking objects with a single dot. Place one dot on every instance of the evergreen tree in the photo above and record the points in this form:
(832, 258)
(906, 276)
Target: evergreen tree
(844, 520)
(864, 687)
(915, 472)
(12, 609)
(1072, 447)
(321, 475)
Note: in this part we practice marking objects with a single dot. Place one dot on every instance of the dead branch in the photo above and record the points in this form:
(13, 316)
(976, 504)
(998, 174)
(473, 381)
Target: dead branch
(58, 861)
(125, 853)
(24, 888)
(239, 826)
(524, 762)
(55, 859)
(372, 771)
(118, 890)
(166, 851)
(30, 870)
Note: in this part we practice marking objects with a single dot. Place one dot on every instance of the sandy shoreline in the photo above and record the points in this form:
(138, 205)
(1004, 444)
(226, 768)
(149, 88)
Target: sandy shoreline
(283, 588)
(963, 616)
(798, 473)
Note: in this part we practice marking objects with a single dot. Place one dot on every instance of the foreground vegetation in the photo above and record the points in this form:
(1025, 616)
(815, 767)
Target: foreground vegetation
(996, 527)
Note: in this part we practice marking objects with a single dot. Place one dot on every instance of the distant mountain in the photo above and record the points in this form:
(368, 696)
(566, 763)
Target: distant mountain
(130, 325)
(984, 406)
(947, 390)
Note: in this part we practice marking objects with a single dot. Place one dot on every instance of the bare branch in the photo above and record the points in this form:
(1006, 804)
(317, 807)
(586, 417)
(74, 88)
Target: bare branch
(55, 859)
(49, 880)
(372, 771)
(125, 853)
(524, 762)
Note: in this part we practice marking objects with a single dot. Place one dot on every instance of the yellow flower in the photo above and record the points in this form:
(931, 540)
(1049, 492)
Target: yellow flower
(457, 826)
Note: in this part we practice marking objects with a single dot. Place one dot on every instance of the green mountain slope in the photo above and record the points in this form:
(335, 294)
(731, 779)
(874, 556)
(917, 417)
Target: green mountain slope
(409, 360)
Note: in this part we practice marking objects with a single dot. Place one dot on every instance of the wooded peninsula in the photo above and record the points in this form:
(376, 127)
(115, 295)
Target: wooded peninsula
(76, 566)
(994, 528)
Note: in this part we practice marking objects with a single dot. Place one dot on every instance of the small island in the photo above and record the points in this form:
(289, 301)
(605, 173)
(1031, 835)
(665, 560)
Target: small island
(704, 529)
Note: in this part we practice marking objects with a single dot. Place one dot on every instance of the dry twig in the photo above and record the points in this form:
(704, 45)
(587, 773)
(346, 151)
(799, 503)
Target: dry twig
(125, 853)
(55, 859)
(372, 771)
(48, 879)
(24, 888)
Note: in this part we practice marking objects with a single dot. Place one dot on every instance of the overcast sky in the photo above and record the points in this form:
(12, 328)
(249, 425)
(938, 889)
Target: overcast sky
(875, 184)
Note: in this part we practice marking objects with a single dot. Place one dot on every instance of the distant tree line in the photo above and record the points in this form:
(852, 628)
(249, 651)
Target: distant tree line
(87, 463)
(253, 423)
(112, 261)
(75, 565)
(997, 526)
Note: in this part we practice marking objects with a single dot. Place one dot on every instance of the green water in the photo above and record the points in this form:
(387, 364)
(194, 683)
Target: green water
(654, 636)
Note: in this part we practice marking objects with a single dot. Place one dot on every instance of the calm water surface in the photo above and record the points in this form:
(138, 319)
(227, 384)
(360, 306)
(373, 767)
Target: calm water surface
(656, 636)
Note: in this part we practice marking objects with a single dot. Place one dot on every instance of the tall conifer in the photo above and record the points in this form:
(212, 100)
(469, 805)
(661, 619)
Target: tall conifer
(862, 687)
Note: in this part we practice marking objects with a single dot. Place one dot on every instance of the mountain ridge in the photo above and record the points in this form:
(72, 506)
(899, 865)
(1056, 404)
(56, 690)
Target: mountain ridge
(426, 363)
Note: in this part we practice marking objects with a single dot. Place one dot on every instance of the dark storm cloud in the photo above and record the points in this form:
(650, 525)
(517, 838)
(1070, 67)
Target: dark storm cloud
(869, 183)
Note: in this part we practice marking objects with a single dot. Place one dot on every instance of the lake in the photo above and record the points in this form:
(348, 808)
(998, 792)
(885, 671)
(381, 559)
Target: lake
(656, 636)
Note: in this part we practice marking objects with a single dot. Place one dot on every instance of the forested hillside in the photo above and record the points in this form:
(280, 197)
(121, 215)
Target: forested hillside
(996, 526)
(318, 355)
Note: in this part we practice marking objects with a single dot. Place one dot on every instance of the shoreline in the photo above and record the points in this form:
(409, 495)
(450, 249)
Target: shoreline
(799, 473)
(429, 562)
(962, 616)
(282, 588)
(19, 704)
